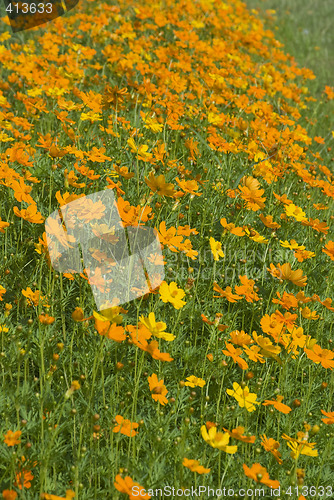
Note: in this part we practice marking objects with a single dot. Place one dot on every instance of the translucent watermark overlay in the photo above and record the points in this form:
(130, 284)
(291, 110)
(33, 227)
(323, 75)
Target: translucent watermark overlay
(31, 13)
(193, 492)
(121, 263)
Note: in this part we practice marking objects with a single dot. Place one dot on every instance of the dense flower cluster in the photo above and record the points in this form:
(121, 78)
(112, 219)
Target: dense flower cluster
(196, 118)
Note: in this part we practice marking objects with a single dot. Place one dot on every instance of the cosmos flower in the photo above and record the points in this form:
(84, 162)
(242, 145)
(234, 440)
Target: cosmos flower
(244, 398)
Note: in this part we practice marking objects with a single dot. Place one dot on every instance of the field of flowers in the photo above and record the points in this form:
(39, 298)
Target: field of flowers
(203, 127)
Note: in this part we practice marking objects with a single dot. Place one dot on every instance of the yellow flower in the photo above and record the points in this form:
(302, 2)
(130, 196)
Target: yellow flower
(255, 236)
(93, 117)
(153, 124)
(308, 314)
(112, 314)
(293, 245)
(75, 386)
(292, 210)
(195, 381)
(300, 446)
(218, 440)
(159, 185)
(216, 248)
(141, 150)
(245, 398)
(268, 349)
(170, 293)
(156, 328)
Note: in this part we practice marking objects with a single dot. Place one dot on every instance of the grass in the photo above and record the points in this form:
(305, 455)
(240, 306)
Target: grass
(205, 129)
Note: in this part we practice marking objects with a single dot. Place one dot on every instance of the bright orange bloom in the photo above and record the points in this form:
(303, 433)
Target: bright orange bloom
(330, 417)
(250, 192)
(271, 445)
(190, 186)
(267, 348)
(9, 494)
(23, 479)
(194, 466)
(234, 353)
(268, 221)
(159, 185)
(169, 237)
(329, 249)
(30, 214)
(319, 355)
(246, 289)
(260, 475)
(318, 226)
(232, 228)
(227, 293)
(158, 389)
(69, 495)
(12, 438)
(285, 272)
(237, 433)
(278, 404)
(240, 338)
(126, 486)
(3, 226)
(133, 216)
(254, 354)
(45, 319)
(288, 300)
(124, 426)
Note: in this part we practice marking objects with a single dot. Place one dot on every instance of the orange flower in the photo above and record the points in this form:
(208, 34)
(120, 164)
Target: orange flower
(23, 479)
(278, 404)
(125, 427)
(260, 475)
(227, 293)
(237, 433)
(288, 300)
(268, 221)
(267, 348)
(158, 389)
(329, 249)
(271, 445)
(169, 237)
(330, 417)
(69, 495)
(12, 438)
(9, 494)
(2, 292)
(159, 185)
(285, 272)
(132, 216)
(77, 314)
(124, 172)
(232, 228)
(251, 193)
(3, 226)
(240, 338)
(315, 224)
(189, 186)
(319, 355)
(246, 289)
(254, 354)
(235, 355)
(30, 214)
(126, 486)
(45, 319)
(194, 466)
